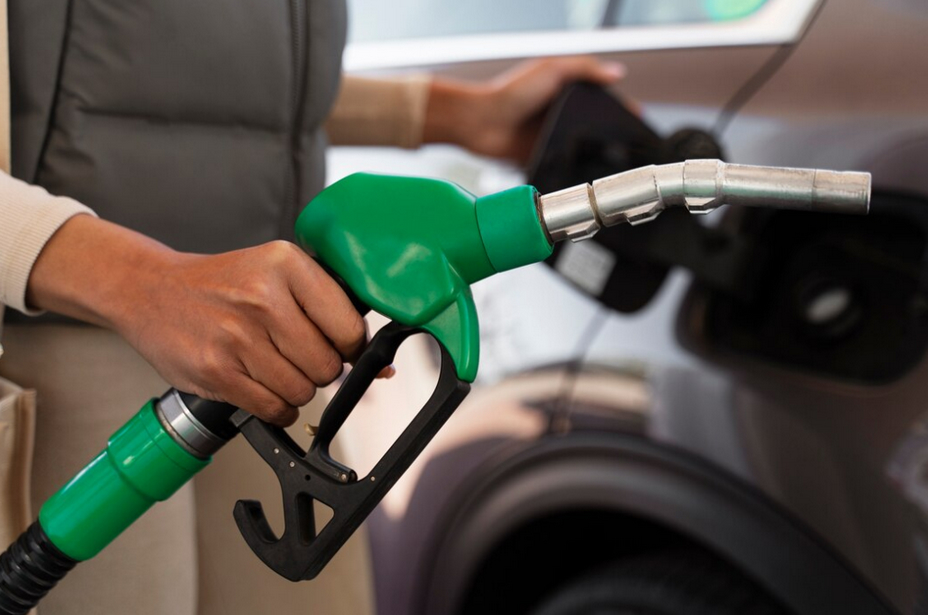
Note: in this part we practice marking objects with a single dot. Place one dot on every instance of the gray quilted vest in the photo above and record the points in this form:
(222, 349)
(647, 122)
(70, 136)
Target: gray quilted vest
(196, 122)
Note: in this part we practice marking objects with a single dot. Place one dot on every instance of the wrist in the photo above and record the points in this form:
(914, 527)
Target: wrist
(454, 112)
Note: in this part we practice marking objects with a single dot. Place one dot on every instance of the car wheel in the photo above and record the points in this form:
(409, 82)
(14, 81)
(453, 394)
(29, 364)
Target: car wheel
(679, 582)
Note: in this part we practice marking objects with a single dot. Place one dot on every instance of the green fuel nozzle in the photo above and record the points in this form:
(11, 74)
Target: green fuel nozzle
(408, 248)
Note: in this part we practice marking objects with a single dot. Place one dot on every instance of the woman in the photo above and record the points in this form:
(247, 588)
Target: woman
(194, 128)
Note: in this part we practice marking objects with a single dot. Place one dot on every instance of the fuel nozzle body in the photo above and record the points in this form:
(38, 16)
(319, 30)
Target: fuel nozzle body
(639, 195)
(411, 247)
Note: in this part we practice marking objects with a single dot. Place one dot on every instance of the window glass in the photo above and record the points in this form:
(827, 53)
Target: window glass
(379, 20)
(654, 12)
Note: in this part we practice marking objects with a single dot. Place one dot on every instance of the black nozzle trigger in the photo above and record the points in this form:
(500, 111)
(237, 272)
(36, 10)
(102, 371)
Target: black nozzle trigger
(301, 551)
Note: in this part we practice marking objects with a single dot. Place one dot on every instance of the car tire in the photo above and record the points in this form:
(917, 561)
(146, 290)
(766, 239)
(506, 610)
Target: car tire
(678, 582)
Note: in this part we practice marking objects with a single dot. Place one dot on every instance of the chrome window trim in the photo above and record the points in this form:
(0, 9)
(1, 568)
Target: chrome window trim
(777, 22)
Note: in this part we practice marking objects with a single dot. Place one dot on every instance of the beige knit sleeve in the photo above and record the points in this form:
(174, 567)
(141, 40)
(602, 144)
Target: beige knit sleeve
(29, 216)
(379, 112)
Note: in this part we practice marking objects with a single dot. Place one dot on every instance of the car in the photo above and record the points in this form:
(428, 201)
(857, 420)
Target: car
(739, 422)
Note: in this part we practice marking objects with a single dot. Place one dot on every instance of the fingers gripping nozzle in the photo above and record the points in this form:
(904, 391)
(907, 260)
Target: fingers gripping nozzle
(639, 195)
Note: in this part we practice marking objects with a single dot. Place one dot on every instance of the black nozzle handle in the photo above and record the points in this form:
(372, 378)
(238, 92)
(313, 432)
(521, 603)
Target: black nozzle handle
(303, 550)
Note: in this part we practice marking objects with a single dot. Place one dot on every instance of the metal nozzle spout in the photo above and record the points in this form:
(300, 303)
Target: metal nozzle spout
(701, 186)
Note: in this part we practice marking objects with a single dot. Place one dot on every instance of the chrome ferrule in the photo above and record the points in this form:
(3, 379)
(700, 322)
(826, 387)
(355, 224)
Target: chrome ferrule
(187, 431)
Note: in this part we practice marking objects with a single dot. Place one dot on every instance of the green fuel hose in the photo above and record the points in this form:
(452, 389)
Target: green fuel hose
(148, 459)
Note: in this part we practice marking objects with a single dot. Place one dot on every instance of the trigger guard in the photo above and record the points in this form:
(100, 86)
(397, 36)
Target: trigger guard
(301, 552)
(380, 353)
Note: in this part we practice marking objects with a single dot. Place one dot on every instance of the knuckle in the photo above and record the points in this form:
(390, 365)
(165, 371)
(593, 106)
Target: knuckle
(212, 366)
(313, 274)
(355, 330)
(304, 394)
(282, 252)
(254, 298)
(233, 334)
(259, 292)
(278, 413)
(330, 368)
(279, 247)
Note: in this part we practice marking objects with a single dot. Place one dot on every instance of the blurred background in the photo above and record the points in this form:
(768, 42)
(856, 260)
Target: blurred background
(722, 416)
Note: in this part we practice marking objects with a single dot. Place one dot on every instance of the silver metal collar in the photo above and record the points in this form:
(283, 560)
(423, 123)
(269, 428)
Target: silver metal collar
(186, 429)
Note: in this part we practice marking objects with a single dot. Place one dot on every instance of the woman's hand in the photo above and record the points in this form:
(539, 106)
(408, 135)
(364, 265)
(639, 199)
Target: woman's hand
(260, 328)
(502, 117)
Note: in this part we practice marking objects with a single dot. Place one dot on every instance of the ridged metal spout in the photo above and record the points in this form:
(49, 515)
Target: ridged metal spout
(639, 195)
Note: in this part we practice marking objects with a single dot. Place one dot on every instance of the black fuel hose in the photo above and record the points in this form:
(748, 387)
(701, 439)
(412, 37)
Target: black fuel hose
(29, 569)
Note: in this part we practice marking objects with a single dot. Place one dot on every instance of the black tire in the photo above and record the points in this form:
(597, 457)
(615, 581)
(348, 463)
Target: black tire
(679, 582)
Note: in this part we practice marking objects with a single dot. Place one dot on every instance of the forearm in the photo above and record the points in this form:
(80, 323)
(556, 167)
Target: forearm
(92, 270)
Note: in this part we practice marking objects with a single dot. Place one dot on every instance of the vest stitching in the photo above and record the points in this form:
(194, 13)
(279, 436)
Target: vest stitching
(299, 28)
(53, 108)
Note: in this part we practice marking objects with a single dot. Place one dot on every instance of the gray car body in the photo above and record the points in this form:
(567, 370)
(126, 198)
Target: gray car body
(840, 465)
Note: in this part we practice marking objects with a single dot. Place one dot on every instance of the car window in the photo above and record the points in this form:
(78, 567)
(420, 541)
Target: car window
(426, 33)
(376, 20)
(652, 12)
